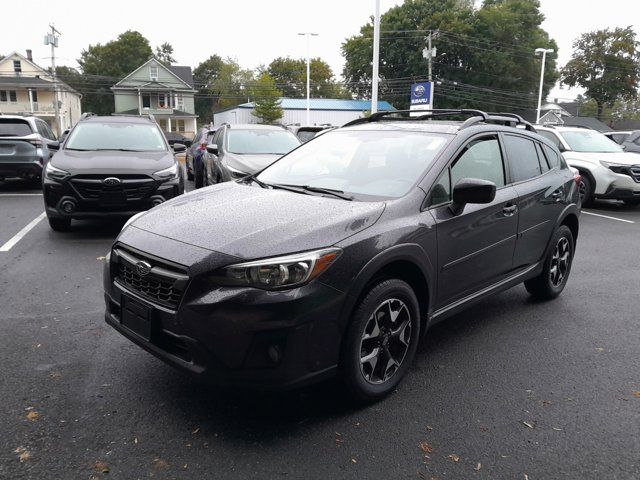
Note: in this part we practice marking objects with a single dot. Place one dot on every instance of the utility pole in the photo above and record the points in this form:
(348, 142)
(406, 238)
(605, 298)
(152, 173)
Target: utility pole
(308, 35)
(544, 52)
(429, 53)
(52, 39)
(376, 58)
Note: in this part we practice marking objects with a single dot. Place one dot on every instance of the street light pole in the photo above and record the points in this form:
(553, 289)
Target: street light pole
(376, 58)
(544, 52)
(52, 39)
(308, 35)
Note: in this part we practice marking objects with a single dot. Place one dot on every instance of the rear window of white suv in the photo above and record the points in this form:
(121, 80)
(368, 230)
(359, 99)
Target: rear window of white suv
(14, 128)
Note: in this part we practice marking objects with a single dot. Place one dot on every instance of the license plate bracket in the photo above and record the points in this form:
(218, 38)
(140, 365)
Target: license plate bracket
(112, 199)
(136, 317)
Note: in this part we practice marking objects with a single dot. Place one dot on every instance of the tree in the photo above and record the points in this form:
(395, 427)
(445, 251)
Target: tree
(267, 99)
(164, 53)
(485, 56)
(290, 75)
(104, 65)
(606, 63)
(204, 75)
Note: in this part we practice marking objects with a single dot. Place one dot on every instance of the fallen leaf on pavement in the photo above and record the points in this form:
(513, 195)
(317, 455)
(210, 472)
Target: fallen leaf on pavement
(33, 415)
(100, 259)
(354, 460)
(429, 428)
(599, 349)
(636, 394)
(454, 457)
(426, 447)
(195, 431)
(478, 467)
(528, 424)
(101, 467)
(526, 477)
(160, 464)
(557, 429)
(23, 454)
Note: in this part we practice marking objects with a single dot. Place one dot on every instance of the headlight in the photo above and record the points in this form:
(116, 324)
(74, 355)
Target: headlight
(235, 173)
(54, 173)
(128, 222)
(615, 167)
(168, 173)
(277, 273)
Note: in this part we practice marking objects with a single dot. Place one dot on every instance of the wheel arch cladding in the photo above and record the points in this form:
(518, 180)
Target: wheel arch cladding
(571, 221)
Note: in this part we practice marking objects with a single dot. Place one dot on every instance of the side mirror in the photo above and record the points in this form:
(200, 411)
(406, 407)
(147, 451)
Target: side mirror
(179, 147)
(54, 146)
(472, 190)
(212, 148)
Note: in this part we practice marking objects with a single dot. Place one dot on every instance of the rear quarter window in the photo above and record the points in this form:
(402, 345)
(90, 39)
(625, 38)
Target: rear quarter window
(14, 128)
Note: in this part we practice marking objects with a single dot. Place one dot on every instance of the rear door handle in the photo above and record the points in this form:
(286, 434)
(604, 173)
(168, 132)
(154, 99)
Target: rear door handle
(557, 195)
(509, 210)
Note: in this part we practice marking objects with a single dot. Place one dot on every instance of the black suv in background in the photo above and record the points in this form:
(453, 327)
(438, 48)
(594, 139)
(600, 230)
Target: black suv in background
(244, 149)
(336, 258)
(194, 155)
(110, 166)
(26, 144)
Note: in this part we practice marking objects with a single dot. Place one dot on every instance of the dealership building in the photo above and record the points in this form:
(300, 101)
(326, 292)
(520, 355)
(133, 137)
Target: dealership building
(321, 111)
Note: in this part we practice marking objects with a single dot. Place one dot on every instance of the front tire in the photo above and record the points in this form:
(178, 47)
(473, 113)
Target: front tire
(557, 267)
(381, 341)
(199, 178)
(585, 189)
(59, 224)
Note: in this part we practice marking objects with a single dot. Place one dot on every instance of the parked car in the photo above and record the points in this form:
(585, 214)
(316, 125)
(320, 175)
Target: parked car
(26, 144)
(240, 150)
(336, 258)
(64, 135)
(629, 140)
(307, 132)
(111, 166)
(607, 171)
(202, 138)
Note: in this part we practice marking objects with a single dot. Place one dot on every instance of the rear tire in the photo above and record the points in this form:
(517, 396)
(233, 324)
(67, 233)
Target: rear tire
(381, 341)
(199, 178)
(557, 267)
(59, 224)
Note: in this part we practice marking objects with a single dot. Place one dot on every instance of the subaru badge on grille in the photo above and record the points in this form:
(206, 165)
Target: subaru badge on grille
(112, 181)
(143, 268)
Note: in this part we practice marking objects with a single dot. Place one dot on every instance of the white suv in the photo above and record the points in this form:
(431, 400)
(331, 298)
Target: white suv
(607, 171)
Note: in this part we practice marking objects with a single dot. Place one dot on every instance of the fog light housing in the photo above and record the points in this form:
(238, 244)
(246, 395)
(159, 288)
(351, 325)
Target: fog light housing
(68, 206)
(157, 200)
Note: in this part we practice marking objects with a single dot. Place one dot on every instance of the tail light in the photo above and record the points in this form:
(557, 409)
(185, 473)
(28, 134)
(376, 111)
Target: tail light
(36, 143)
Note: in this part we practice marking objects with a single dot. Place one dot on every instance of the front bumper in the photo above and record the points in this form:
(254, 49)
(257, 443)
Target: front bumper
(612, 185)
(237, 336)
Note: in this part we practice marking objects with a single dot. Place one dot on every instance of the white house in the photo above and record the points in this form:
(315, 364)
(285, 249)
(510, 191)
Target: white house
(321, 111)
(27, 88)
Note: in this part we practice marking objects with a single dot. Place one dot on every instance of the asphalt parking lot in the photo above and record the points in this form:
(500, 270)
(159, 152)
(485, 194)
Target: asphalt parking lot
(511, 389)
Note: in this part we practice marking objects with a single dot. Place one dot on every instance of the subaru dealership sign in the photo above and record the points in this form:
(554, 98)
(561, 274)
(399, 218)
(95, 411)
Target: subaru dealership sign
(422, 96)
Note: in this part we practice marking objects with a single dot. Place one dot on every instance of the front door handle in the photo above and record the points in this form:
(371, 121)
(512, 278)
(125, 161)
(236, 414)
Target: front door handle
(509, 210)
(557, 195)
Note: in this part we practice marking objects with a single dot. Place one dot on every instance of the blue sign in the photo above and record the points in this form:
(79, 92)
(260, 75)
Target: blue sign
(421, 93)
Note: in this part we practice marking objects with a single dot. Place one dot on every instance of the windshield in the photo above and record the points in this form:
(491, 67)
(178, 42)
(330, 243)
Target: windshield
(590, 141)
(380, 164)
(261, 141)
(137, 137)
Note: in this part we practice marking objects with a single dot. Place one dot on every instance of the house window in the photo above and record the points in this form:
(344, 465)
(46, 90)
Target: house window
(179, 102)
(146, 101)
(3, 96)
(12, 96)
(17, 66)
(163, 124)
(180, 126)
(163, 100)
(34, 95)
(153, 73)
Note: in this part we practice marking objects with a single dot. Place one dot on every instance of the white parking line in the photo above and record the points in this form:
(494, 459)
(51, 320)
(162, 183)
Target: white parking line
(20, 194)
(18, 236)
(607, 216)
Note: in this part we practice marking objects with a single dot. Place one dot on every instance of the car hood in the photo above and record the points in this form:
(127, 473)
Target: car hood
(623, 158)
(112, 162)
(251, 222)
(250, 163)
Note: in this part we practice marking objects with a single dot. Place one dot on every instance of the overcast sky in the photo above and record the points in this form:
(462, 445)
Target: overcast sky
(254, 32)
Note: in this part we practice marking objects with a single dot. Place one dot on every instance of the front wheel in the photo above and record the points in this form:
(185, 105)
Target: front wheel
(381, 341)
(585, 189)
(557, 266)
(60, 224)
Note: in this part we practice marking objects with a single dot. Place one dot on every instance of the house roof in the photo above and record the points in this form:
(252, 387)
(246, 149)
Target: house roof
(25, 82)
(321, 104)
(589, 122)
(30, 81)
(161, 65)
(183, 73)
(174, 113)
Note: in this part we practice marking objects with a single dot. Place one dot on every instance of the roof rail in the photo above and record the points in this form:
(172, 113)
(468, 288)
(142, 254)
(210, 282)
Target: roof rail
(147, 115)
(475, 116)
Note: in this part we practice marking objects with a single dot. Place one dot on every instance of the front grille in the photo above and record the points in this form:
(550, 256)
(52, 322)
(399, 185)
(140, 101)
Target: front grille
(635, 172)
(162, 284)
(134, 187)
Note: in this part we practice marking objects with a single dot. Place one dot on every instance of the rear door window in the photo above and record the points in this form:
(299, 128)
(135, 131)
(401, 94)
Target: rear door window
(14, 128)
(523, 158)
(544, 164)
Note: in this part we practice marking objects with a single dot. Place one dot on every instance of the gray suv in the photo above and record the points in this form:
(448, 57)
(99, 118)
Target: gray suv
(335, 259)
(26, 144)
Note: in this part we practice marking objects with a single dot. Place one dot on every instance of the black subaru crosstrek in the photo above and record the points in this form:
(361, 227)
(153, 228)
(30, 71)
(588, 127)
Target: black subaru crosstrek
(112, 166)
(335, 259)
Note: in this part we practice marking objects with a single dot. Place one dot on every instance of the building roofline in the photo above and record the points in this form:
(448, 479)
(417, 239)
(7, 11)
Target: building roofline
(161, 65)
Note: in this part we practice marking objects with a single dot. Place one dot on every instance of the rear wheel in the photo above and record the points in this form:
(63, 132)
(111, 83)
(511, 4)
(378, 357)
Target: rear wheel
(60, 224)
(381, 341)
(557, 266)
(199, 178)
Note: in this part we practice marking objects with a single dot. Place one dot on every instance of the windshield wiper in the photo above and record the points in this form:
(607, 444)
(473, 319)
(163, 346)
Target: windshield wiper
(254, 179)
(309, 188)
(78, 149)
(116, 150)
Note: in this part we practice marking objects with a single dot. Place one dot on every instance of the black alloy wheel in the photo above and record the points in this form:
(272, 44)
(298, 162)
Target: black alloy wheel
(557, 266)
